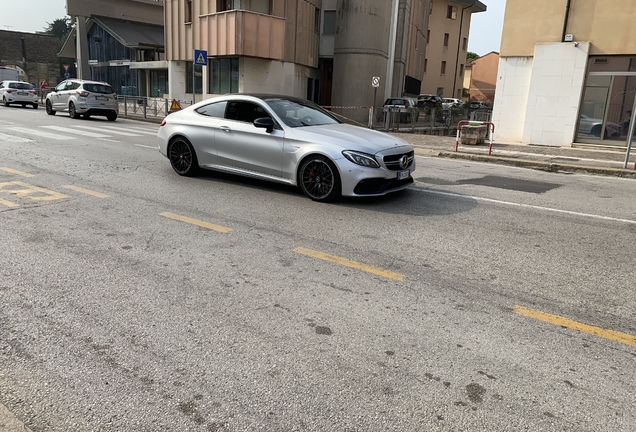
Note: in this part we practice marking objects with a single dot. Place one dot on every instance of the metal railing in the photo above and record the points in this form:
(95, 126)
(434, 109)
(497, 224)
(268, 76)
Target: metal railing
(146, 107)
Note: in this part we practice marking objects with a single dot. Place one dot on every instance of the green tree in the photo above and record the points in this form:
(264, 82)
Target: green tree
(470, 56)
(59, 28)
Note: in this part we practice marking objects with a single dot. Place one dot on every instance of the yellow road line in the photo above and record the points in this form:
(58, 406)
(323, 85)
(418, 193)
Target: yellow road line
(9, 203)
(86, 191)
(12, 171)
(593, 330)
(197, 222)
(349, 263)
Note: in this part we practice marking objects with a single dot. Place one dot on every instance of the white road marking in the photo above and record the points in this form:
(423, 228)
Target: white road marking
(41, 133)
(13, 138)
(150, 147)
(109, 140)
(76, 132)
(529, 206)
(128, 128)
(115, 132)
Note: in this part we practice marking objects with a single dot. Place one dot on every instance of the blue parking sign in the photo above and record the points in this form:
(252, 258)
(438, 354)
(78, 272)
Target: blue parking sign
(200, 57)
(67, 75)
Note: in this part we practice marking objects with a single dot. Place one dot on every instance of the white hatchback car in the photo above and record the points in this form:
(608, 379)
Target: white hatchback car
(19, 93)
(83, 98)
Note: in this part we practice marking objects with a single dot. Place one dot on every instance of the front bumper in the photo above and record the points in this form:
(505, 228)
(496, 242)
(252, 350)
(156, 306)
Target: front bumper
(361, 181)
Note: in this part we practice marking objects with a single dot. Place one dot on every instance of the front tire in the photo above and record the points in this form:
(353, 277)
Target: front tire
(72, 112)
(319, 179)
(49, 108)
(183, 158)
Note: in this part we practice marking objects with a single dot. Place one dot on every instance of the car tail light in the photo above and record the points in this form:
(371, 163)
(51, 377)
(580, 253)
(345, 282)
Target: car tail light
(33, 92)
(83, 94)
(10, 91)
(163, 122)
(115, 96)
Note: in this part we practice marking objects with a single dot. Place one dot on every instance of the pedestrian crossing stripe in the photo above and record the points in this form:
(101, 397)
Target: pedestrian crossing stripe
(42, 134)
(76, 132)
(13, 138)
(116, 132)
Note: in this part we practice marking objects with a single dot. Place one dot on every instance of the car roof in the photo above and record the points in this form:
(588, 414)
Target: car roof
(15, 81)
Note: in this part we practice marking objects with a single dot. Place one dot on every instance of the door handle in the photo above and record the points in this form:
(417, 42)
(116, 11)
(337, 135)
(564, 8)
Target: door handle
(225, 128)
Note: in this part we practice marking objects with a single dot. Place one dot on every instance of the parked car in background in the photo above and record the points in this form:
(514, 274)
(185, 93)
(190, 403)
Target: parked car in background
(479, 105)
(83, 98)
(409, 112)
(19, 93)
(285, 140)
(428, 100)
(593, 126)
(449, 103)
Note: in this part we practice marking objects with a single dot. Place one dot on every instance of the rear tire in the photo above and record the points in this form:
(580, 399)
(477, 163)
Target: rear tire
(72, 112)
(111, 116)
(4, 101)
(183, 158)
(87, 116)
(49, 108)
(35, 106)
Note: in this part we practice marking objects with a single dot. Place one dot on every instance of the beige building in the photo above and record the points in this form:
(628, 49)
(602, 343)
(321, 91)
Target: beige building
(567, 72)
(323, 50)
(480, 78)
(447, 34)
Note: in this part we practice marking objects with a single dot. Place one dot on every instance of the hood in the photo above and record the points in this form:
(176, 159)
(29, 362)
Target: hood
(349, 137)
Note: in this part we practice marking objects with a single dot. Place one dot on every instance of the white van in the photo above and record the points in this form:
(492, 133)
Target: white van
(8, 74)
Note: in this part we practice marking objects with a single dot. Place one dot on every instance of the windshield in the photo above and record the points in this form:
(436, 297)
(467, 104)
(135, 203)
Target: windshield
(297, 113)
(21, 86)
(98, 88)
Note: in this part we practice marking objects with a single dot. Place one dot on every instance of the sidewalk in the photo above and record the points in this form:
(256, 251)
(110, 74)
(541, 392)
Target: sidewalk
(554, 159)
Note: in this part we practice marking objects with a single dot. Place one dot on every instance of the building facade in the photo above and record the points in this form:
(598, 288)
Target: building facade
(447, 45)
(569, 79)
(120, 42)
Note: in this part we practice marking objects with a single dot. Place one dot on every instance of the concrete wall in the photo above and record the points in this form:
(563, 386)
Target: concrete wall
(556, 86)
(608, 24)
(268, 76)
(537, 98)
(35, 54)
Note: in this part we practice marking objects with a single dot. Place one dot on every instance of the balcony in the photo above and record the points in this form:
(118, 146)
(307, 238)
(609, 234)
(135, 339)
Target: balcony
(242, 33)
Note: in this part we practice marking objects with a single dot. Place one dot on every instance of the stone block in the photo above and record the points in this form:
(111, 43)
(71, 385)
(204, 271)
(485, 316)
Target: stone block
(473, 135)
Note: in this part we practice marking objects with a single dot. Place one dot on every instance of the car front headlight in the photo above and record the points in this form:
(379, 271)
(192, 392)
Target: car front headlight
(359, 158)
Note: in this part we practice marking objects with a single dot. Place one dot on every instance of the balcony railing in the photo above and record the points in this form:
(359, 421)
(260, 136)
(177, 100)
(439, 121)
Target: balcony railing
(242, 33)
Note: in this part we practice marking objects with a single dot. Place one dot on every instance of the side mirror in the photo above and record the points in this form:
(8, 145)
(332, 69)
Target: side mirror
(265, 123)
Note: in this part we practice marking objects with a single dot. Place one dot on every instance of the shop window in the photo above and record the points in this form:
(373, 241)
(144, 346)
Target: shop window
(223, 75)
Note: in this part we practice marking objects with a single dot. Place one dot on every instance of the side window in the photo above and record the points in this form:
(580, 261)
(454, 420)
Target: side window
(73, 86)
(213, 110)
(244, 111)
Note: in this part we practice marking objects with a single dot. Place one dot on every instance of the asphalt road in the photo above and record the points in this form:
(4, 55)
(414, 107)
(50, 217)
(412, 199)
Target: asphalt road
(483, 298)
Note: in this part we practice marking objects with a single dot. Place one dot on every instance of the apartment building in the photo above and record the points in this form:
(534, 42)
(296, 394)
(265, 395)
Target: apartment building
(567, 72)
(327, 51)
(447, 45)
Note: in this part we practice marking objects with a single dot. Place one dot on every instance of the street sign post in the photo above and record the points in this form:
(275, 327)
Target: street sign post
(375, 83)
(200, 59)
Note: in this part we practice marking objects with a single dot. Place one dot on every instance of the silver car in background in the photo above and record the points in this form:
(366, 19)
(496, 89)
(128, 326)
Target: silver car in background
(285, 140)
(19, 93)
(83, 98)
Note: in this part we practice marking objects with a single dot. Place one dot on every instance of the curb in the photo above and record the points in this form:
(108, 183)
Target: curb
(142, 119)
(532, 164)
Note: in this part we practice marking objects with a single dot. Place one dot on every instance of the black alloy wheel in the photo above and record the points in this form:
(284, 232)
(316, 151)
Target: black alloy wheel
(49, 108)
(182, 157)
(319, 179)
(72, 112)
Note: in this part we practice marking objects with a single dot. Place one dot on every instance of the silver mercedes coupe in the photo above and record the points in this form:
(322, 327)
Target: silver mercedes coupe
(286, 140)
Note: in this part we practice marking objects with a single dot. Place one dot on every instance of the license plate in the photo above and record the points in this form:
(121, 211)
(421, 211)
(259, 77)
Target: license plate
(403, 174)
(101, 98)
(22, 93)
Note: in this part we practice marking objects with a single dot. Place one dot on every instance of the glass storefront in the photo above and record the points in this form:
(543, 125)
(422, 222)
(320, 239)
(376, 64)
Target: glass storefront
(608, 101)
(223, 75)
